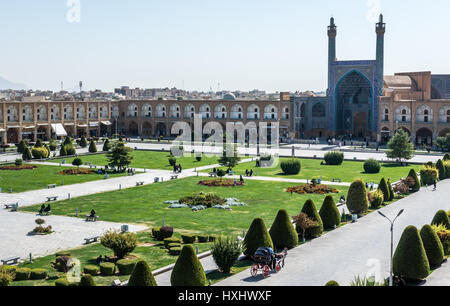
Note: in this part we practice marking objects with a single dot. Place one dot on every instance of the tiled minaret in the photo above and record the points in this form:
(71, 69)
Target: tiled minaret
(380, 29)
(332, 32)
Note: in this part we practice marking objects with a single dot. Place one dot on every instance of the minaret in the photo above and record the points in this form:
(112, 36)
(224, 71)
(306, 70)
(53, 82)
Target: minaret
(332, 32)
(380, 29)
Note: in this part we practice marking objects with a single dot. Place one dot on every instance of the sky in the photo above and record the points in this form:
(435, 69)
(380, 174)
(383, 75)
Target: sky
(198, 44)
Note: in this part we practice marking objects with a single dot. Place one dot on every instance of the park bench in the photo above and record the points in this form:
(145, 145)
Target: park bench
(174, 177)
(231, 173)
(90, 218)
(212, 174)
(51, 186)
(156, 180)
(50, 199)
(338, 180)
(10, 261)
(139, 183)
(91, 239)
(8, 206)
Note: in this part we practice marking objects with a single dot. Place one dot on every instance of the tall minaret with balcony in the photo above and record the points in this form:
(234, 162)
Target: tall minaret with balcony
(332, 32)
(380, 29)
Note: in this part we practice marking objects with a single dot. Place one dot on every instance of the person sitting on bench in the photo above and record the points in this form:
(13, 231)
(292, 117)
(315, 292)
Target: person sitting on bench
(41, 211)
(47, 209)
(92, 215)
(342, 200)
(99, 260)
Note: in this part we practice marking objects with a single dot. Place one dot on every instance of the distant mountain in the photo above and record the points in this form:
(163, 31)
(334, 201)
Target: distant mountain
(5, 84)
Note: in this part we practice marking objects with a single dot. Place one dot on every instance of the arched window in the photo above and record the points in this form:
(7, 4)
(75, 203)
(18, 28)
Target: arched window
(318, 110)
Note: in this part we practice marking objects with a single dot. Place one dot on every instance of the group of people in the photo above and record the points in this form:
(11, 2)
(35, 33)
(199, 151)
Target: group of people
(370, 186)
(45, 210)
(177, 169)
(249, 173)
(131, 171)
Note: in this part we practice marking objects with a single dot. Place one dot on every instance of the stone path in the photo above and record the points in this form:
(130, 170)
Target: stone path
(356, 249)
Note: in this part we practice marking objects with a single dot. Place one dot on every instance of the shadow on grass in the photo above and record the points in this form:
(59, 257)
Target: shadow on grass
(238, 267)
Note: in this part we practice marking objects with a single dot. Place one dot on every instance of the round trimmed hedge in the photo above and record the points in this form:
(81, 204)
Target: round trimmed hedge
(187, 239)
(291, 166)
(175, 251)
(38, 274)
(126, 266)
(332, 284)
(168, 241)
(142, 276)
(87, 281)
(334, 158)
(357, 202)
(23, 274)
(62, 282)
(107, 268)
(372, 166)
(91, 270)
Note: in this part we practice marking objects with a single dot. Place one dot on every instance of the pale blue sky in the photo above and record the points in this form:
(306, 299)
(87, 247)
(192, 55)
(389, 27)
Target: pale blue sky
(273, 45)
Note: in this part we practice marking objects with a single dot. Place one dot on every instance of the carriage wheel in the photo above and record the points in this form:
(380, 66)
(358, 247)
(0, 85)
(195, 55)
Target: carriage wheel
(266, 271)
(254, 270)
(278, 267)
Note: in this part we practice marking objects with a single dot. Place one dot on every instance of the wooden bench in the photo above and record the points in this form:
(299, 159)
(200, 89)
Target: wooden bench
(212, 174)
(139, 183)
(10, 261)
(91, 240)
(156, 180)
(50, 199)
(8, 206)
(51, 186)
(337, 180)
(90, 218)
(174, 177)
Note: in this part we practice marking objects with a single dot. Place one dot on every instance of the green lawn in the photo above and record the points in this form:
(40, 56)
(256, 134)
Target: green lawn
(148, 249)
(147, 160)
(145, 205)
(348, 171)
(42, 176)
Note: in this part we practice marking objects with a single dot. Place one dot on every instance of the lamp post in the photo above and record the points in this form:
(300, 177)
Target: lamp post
(391, 279)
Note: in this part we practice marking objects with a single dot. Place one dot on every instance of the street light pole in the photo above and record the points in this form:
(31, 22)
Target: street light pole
(391, 276)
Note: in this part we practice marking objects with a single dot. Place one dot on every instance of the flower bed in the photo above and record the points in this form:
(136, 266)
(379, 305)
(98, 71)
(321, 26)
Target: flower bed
(77, 172)
(17, 168)
(312, 189)
(221, 183)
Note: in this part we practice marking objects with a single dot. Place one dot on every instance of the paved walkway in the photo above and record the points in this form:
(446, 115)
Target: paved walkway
(355, 249)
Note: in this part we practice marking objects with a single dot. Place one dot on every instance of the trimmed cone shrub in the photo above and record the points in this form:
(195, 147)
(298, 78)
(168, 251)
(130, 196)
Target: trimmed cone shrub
(256, 237)
(446, 157)
(83, 142)
(391, 190)
(441, 217)
(332, 284)
(63, 150)
(187, 239)
(38, 274)
(282, 232)
(92, 147)
(27, 154)
(433, 246)
(310, 210)
(372, 166)
(142, 276)
(357, 202)
(106, 145)
(429, 175)
(39, 143)
(291, 166)
(91, 270)
(410, 259)
(417, 185)
(188, 270)
(21, 147)
(334, 158)
(441, 169)
(39, 152)
(107, 268)
(87, 281)
(23, 274)
(62, 282)
(126, 266)
(329, 213)
(225, 252)
(70, 149)
(385, 189)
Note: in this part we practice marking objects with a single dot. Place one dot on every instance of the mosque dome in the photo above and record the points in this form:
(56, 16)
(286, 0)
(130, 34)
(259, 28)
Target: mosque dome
(229, 97)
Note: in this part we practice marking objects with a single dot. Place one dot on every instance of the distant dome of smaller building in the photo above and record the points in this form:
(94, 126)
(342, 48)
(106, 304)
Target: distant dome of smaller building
(229, 97)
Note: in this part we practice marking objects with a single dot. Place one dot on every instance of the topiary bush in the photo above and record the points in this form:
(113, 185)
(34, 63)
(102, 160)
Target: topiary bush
(428, 175)
(433, 246)
(142, 276)
(168, 241)
(447, 168)
(163, 232)
(22, 146)
(87, 281)
(376, 199)
(334, 158)
(410, 259)
(372, 166)
(383, 187)
(7, 275)
(107, 268)
(92, 147)
(357, 202)
(311, 211)
(27, 154)
(329, 213)
(125, 266)
(441, 217)
(62, 282)
(413, 175)
(282, 232)
(77, 162)
(175, 251)
(38, 274)
(39, 152)
(188, 270)
(291, 166)
(446, 157)
(440, 167)
(332, 283)
(225, 252)
(83, 142)
(213, 238)
(391, 191)
(23, 274)
(106, 145)
(187, 239)
(91, 270)
(120, 243)
(256, 237)
(203, 238)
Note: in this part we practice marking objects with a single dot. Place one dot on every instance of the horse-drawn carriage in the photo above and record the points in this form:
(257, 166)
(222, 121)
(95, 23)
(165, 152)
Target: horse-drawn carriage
(265, 261)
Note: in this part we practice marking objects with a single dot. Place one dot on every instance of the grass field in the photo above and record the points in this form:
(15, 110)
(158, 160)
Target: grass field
(145, 205)
(147, 160)
(148, 249)
(40, 177)
(348, 171)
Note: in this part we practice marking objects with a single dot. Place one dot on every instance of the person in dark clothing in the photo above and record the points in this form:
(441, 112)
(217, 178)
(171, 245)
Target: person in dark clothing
(435, 185)
(92, 213)
(180, 168)
(241, 178)
(246, 172)
(41, 211)
(251, 172)
(47, 209)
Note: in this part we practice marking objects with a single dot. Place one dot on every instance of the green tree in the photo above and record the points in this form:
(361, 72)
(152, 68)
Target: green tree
(400, 146)
(52, 145)
(63, 150)
(142, 275)
(391, 190)
(256, 237)
(225, 252)
(441, 217)
(39, 143)
(106, 145)
(92, 147)
(311, 211)
(83, 142)
(433, 246)
(121, 244)
(87, 281)
(77, 162)
(22, 147)
(120, 156)
(27, 154)
(385, 189)
(441, 142)
(67, 141)
(188, 270)
(282, 232)
(229, 157)
(329, 213)
(410, 259)
(357, 202)
(441, 168)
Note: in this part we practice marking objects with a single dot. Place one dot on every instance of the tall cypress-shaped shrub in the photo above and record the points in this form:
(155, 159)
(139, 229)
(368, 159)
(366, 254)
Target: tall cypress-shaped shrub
(384, 188)
(282, 232)
(433, 246)
(188, 270)
(27, 154)
(441, 217)
(329, 213)
(357, 202)
(311, 211)
(142, 275)
(391, 190)
(410, 259)
(83, 142)
(441, 168)
(92, 147)
(256, 237)
(106, 145)
(413, 174)
(63, 151)
(21, 147)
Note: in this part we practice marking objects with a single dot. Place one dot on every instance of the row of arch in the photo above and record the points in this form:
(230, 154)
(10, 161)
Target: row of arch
(422, 136)
(218, 112)
(424, 113)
